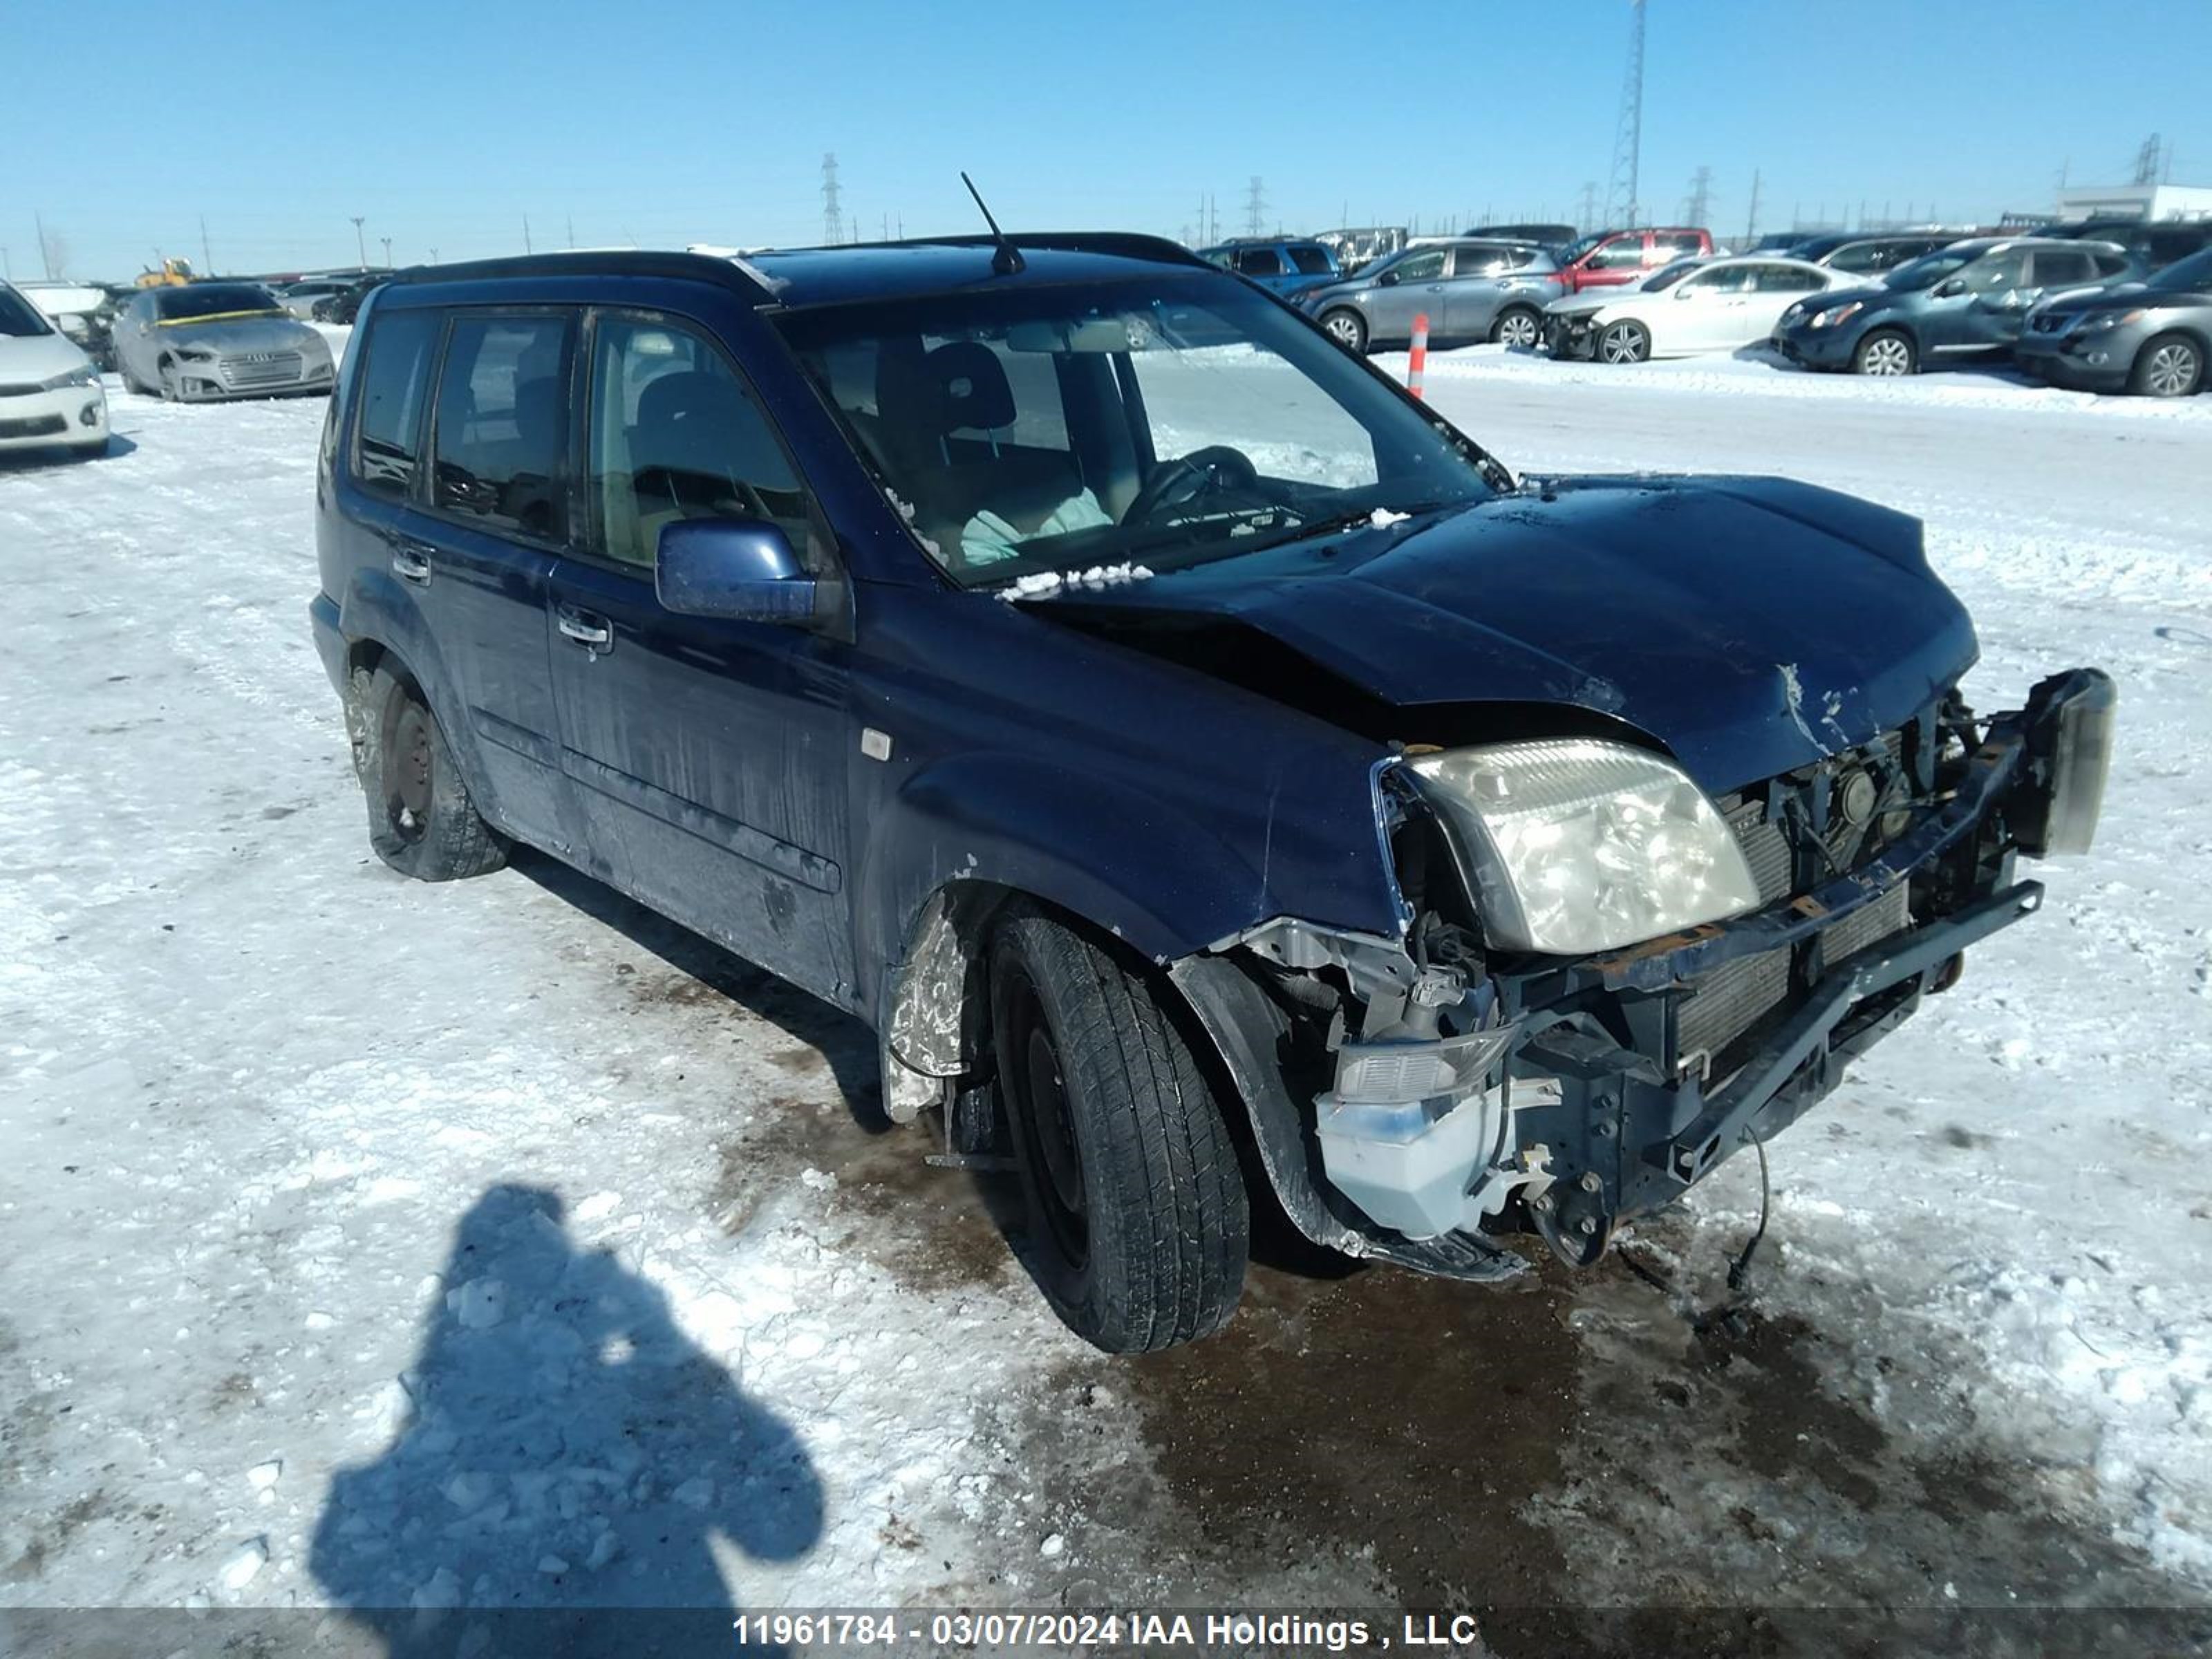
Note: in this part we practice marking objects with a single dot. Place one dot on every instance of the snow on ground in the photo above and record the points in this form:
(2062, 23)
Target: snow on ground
(318, 1185)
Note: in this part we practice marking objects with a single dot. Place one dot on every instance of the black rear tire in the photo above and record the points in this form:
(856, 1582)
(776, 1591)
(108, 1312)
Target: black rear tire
(1520, 327)
(1138, 1227)
(421, 821)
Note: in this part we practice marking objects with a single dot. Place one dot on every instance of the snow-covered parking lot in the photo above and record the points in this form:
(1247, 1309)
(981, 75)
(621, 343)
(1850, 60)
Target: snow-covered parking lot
(316, 1185)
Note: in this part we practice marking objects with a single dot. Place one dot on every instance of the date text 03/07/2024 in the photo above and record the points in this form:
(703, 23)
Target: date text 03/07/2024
(1289, 1632)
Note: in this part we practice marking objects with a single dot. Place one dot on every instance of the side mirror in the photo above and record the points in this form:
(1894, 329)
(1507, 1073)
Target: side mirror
(740, 568)
(1951, 288)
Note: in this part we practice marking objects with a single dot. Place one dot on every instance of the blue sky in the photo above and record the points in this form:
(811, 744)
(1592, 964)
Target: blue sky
(444, 122)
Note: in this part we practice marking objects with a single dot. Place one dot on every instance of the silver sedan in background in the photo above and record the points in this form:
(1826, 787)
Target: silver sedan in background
(206, 341)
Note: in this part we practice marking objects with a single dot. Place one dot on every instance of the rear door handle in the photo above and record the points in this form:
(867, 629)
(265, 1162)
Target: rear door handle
(410, 562)
(587, 627)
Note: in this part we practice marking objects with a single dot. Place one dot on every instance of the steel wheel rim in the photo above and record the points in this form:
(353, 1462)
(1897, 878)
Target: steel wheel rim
(2172, 370)
(1622, 346)
(1519, 329)
(1047, 1135)
(1886, 357)
(409, 773)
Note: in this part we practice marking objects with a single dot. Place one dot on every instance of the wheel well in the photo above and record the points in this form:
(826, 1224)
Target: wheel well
(936, 1025)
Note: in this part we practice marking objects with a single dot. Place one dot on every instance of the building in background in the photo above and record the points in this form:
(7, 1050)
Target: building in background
(2136, 202)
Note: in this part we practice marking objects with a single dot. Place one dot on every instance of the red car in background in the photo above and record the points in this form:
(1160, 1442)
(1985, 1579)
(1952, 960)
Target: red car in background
(1606, 258)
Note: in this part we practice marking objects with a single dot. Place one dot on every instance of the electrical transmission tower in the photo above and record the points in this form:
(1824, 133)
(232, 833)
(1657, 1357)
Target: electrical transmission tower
(1751, 219)
(2146, 160)
(1700, 198)
(1256, 207)
(1588, 221)
(1622, 206)
(833, 215)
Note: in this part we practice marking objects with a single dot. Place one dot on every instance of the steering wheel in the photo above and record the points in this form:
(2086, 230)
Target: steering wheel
(1179, 481)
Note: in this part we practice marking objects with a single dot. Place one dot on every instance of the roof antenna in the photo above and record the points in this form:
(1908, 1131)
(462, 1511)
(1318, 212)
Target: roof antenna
(1008, 259)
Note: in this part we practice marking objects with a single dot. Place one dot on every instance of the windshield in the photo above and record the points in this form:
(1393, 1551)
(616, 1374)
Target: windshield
(1036, 430)
(1927, 270)
(19, 318)
(2187, 276)
(203, 300)
(1667, 275)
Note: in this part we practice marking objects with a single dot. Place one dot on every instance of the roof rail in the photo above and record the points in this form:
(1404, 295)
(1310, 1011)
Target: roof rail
(1128, 244)
(619, 262)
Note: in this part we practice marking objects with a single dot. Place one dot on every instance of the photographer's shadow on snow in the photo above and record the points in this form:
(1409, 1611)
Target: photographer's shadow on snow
(565, 1457)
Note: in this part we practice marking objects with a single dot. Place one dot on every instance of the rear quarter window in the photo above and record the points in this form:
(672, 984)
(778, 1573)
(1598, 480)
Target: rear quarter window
(1310, 259)
(394, 381)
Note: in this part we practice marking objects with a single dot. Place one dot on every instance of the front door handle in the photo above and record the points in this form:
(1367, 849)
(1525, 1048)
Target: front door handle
(410, 563)
(587, 627)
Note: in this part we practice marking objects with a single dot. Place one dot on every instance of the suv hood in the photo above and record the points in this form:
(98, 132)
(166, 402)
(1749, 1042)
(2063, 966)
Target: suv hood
(1748, 625)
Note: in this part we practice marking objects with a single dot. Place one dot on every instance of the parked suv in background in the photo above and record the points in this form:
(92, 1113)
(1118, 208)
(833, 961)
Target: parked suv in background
(1284, 266)
(1869, 256)
(2155, 243)
(1609, 258)
(1967, 300)
(1141, 736)
(1543, 235)
(1469, 291)
(2153, 337)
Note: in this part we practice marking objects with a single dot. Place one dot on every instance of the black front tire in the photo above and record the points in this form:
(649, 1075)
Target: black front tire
(1885, 353)
(2171, 366)
(1625, 343)
(1138, 1227)
(421, 821)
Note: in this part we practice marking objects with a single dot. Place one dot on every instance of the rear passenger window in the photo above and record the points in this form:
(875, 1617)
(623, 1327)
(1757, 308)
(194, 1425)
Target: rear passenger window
(1260, 262)
(674, 435)
(499, 425)
(394, 376)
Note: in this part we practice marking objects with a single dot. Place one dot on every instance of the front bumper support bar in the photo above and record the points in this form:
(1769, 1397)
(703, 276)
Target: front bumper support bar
(1726, 1122)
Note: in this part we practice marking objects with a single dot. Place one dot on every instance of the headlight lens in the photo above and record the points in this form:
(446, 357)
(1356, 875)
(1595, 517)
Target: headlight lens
(1837, 315)
(2102, 322)
(83, 375)
(1579, 845)
(195, 354)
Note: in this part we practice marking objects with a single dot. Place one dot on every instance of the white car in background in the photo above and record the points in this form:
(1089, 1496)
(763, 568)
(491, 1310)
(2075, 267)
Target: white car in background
(49, 393)
(1715, 305)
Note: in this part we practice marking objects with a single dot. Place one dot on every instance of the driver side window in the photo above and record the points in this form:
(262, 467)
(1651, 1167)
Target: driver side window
(676, 435)
(1420, 267)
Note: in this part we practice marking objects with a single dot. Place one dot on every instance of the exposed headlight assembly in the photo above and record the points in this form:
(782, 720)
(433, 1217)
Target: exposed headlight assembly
(1578, 845)
(1836, 316)
(84, 375)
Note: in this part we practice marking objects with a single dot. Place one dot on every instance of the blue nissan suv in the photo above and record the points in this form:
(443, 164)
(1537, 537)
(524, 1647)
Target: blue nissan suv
(1216, 778)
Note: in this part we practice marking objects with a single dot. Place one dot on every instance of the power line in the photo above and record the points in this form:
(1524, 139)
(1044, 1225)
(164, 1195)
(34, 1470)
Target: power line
(1623, 205)
(1700, 199)
(833, 214)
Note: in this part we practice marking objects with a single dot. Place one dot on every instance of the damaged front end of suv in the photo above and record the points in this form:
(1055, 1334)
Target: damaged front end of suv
(1608, 982)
